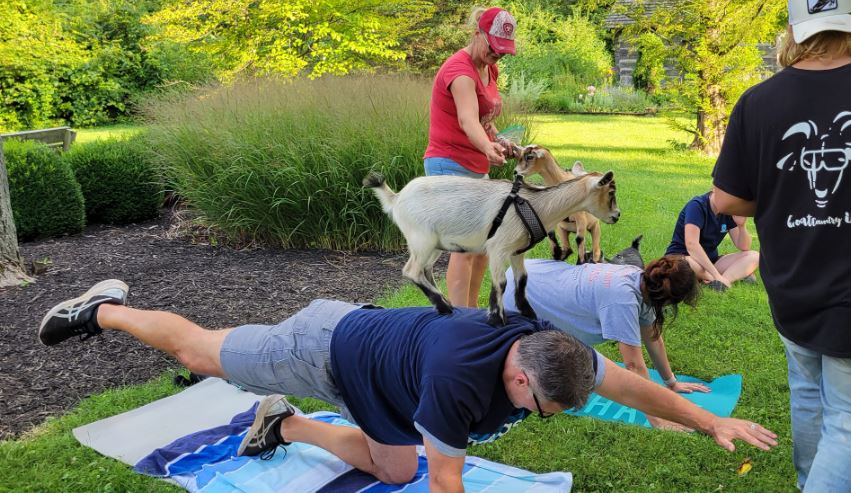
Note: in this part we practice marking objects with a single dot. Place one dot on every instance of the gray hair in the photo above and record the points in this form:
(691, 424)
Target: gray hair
(561, 366)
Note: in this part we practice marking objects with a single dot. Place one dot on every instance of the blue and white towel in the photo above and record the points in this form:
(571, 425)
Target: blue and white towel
(206, 462)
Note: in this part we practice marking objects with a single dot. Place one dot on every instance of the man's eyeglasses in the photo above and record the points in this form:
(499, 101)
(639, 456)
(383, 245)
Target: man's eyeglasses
(541, 412)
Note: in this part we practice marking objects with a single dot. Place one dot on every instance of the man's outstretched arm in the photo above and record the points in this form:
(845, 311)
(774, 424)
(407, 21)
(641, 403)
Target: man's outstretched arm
(631, 390)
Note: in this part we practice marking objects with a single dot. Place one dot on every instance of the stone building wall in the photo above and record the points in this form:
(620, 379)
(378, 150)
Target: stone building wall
(625, 57)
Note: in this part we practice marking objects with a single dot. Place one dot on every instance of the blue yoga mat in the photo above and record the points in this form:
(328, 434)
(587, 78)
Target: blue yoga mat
(206, 462)
(721, 401)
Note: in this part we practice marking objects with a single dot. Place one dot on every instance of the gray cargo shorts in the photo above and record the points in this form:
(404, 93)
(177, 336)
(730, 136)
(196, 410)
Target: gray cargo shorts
(292, 357)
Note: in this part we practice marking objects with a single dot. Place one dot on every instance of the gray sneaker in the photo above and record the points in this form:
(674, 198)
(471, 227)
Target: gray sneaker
(749, 279)
(76, 316)
(263, 437)
(717, 286)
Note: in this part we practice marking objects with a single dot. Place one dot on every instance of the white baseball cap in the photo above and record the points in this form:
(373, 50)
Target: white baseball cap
(809, 17)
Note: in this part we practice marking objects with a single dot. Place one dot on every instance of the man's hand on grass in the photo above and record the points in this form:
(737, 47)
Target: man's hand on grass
(725, 430)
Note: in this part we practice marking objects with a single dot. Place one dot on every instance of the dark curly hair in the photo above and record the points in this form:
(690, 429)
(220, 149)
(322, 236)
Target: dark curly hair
(665, 283)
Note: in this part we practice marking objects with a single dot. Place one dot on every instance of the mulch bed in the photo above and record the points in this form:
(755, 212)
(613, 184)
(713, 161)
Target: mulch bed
(214, 287)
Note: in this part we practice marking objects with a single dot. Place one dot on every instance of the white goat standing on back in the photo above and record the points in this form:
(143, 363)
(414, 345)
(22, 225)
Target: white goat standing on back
(451, 213)
(536, 159)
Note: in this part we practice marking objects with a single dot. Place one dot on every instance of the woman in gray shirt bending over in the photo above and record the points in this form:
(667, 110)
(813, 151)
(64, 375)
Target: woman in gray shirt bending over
(609, 302)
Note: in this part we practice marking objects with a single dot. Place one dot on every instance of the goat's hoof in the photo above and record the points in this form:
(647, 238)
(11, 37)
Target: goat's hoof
(530, 314)
(444, 309)
(495, 320)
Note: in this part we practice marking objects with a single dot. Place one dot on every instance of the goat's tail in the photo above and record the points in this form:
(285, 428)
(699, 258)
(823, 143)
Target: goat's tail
(387, 197)
(637, 241)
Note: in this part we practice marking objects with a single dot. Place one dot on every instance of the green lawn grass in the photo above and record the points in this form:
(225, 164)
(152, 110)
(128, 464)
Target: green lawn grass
(726, 333)
(105, 132)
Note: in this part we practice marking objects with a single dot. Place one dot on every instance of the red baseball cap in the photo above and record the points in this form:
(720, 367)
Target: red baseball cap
(499, 26)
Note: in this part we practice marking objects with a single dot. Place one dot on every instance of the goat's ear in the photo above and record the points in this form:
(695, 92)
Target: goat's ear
(606, 179)
(540, 152)
(578, 169)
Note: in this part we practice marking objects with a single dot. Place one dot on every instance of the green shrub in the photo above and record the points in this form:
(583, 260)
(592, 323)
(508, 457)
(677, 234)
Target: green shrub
(118, 181)
(282, 162)
(84, 62)
(525, 93)
(563, 52)
(46, 198)
(613, 99)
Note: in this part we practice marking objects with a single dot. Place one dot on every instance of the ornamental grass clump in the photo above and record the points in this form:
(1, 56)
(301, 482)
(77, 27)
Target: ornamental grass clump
(281, 162)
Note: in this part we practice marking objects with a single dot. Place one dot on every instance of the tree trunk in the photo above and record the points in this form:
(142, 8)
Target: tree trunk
(711, 124)
(12, 270)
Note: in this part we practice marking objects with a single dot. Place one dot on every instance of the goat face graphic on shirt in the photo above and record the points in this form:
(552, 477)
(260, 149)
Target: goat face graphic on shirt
(822, 155)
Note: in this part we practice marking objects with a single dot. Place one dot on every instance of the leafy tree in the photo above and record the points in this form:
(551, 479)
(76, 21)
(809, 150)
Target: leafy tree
(313, 37)
(563, 51)
(595, 10)
(433, 39)
(82, 61)
(33, 49)
(714, 45)
(650, 65)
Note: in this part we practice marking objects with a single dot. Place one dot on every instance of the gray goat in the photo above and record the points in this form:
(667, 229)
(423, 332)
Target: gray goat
(629, 256)
(451, 213)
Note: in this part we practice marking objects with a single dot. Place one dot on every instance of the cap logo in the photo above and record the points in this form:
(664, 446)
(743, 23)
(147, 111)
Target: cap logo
(817, 6)
(503, 26)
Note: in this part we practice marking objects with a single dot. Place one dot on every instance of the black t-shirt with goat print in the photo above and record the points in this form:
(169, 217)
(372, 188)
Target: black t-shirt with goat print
(788, 147)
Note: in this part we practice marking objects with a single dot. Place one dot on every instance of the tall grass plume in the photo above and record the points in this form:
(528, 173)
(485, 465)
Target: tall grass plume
(281, 162)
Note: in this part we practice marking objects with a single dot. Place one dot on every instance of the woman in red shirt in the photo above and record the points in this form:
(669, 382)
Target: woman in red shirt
(464, 103)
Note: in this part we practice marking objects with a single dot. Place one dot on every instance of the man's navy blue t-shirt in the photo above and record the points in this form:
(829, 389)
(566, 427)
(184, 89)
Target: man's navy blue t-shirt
(408, 372)
(713, 228)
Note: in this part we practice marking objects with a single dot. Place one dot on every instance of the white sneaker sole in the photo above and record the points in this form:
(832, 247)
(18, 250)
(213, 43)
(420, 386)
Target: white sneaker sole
(97, 288)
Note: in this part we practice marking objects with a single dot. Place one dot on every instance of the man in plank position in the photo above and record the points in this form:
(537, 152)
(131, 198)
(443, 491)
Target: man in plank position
(406, 376)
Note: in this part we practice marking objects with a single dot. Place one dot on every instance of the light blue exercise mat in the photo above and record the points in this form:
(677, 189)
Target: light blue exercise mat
(191, 439)
(721, 401)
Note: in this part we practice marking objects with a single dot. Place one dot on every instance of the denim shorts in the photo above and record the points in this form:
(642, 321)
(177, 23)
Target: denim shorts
(446, 167)
(292, 357)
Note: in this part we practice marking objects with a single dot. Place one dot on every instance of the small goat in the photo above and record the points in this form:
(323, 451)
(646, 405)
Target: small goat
(536, 159)
(455, 214)
(629, 256)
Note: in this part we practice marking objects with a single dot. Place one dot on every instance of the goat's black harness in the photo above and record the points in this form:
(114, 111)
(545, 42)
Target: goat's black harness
(527, 214)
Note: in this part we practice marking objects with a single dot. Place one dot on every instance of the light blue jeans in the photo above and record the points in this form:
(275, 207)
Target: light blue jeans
(445, 166)
(820, 394)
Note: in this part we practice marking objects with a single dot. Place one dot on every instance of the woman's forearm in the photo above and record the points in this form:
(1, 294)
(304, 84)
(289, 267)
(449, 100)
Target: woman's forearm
(659, 357)
(476, 133)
